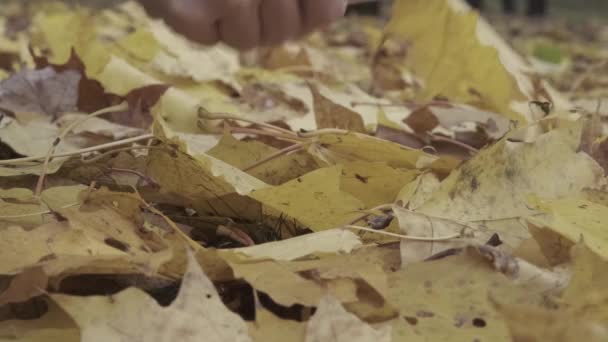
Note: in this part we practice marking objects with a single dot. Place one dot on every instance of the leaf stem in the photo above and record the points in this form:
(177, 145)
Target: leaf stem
(404, 237)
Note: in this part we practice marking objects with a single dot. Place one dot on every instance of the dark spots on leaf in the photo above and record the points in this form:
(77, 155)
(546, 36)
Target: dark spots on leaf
(324, 145)
(510, 173)
(425, 314)
(117, 244)
(494, 240)
(479, 322)
(299, 180)
(474, 184)
(209, 296)
(459, 322)
(428, 284)
(362, 179)
(583, 206)
(411, 320)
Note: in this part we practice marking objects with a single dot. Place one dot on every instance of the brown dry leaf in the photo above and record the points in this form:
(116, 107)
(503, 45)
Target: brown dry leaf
(196, 314)
(332, 322)
(331, 115)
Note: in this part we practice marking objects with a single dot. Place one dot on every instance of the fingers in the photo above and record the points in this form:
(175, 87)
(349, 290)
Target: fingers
(242, 27)
(245, 24)
(320, 13)
(193, 20)
(281, 21)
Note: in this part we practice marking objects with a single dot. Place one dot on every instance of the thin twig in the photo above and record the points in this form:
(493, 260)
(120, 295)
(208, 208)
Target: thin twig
(12, 217)
(64, 133)
(368, 212)
(245, 130)
(141, 176)
(322, 131)
(204, 114)
(453, 142)
(113, 151)
(404, 237)
(277, 154)
(79, 152)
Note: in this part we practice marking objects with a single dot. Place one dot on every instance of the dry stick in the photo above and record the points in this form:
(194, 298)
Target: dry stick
(378, 104)
(193, 244)
(404, 237)
(81, 151)
(202, 113)
(285, 151)
(64, 133)
(11, 217)
(244, 130)
(323, 131)
(454, 142)
(123, 149)
(368, 212)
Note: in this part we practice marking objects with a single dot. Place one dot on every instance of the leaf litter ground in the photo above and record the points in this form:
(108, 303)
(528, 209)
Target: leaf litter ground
(414, 181)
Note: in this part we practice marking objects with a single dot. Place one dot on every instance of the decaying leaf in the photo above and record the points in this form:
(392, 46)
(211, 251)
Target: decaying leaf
(197, 313)
(495, 183)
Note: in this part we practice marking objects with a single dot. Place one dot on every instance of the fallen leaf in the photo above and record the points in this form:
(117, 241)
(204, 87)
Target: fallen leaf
(331, 317)
(315, 200)
(41, 91)
(496, 182)
(374, 183)
(270, 328)
(197, 313)
(332, 115)
(327, 241)
(575, 220)
(54, 325)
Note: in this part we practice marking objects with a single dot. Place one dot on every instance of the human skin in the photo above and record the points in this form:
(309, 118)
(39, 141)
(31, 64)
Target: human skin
(245, 24)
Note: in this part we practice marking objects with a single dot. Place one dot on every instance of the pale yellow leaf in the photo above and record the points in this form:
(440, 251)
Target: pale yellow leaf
(196, 314)
(327, 241)
(332, 322)
(315, 200)
(496, 183)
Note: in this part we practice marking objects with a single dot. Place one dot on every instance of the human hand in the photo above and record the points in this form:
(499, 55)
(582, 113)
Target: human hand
(245, 24)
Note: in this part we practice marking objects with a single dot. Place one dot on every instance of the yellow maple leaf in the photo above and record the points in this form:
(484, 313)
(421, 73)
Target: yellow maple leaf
(460, 57)
(314, 199)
